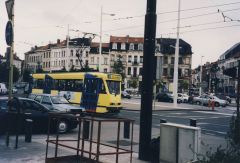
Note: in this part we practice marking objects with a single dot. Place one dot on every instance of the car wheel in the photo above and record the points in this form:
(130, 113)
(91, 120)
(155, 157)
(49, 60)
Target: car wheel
(198, 103)
(185, 101)
(171, 100)
(217, 104)
(63, 126)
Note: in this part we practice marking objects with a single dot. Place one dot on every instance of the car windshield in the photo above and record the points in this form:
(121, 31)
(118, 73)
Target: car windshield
(59, 100)
(113, 87)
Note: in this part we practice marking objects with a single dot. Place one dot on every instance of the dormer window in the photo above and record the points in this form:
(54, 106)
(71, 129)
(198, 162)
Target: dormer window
(131, 46)
(123, 46)
(114, 46)
(140, 46)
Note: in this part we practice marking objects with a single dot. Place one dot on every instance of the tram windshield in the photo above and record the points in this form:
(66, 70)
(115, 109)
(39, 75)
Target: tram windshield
(113, 87)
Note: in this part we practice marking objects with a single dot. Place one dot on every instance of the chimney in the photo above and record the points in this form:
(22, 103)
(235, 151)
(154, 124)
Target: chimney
(58, 41)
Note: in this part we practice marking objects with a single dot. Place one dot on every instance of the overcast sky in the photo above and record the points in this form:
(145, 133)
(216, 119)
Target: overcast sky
(38, 22)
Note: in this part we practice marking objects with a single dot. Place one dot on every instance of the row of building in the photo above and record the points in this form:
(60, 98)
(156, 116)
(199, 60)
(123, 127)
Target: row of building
(221, 74)
(81, 52)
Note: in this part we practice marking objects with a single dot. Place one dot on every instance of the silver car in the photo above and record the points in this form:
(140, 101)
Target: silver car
(57, 102)
(204, 99)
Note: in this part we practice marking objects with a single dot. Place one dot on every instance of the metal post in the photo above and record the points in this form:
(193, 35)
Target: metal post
(100, 44)
(11, 69)
(147, 81)
(175, 77)
(126, 131)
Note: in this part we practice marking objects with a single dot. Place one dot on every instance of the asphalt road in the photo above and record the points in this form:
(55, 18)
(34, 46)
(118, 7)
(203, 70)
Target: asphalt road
(215, 123)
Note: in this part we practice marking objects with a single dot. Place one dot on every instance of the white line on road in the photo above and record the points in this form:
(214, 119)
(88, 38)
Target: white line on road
(213, 113)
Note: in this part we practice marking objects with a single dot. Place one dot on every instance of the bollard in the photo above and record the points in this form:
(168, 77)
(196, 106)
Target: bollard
(126, 133)
(193, 122)
(86, 129)
(28, 130)
(163, 121)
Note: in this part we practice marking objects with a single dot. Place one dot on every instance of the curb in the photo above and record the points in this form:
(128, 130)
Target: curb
(173, 110)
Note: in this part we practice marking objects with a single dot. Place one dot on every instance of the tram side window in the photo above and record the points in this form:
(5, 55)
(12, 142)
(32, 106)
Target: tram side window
(69, 85)
(38, 84)
(102, 87)
(90, 85)
(78, 85)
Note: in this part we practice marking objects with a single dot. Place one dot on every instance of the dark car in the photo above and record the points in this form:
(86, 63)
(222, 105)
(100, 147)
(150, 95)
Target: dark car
(38, 113)
(166, 97)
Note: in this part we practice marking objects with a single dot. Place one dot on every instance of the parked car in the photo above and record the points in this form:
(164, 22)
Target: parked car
(166, 97)
(57, 102)
(223, 97)
(37, 112)
(204, 99)
(124, 94)
(183, 97)
(14, 90)
(3, 88)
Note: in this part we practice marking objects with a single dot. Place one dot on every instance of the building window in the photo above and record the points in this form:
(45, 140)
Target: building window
(114, 46)
(165, 72)
(59, 63)
(129, 59)
(135, 59)
(71, 62)
(187, 60)
(71, 52)
(76, 61)
(97, 60)
(180, 72)
(124, 58)
(165, 60)
(105, 61)
(172, 60)
(112, 57)
(158, 47)
(171, 71)
(92, 60)
(141, 59)
(105, 70)
(129, 70)
(180, 61)
(131, 46)
(140, 71)
(135, 72)
(86, 53)
(140, 46)
(43, 55)
(123, 46)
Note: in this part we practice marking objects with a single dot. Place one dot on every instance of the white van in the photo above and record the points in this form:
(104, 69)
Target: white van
(3, 88)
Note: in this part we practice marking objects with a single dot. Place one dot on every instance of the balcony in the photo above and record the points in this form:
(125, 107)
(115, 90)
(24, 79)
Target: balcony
(135, 63)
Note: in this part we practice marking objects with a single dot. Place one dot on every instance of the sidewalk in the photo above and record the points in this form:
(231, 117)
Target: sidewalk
(34, 152)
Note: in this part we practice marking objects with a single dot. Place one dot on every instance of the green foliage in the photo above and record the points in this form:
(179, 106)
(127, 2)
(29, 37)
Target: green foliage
(63, 69)
(26, 74)
(183, 85)
(39, 70)
(72, 69)
(230, 154)
(119, 68)
(133, 83)
(4, 73)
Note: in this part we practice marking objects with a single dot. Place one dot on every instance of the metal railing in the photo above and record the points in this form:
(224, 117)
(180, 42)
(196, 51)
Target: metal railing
(83, 141)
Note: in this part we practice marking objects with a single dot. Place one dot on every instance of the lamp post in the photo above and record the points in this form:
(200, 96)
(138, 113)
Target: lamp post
(100, 44)
(175, 78)
(200, 88)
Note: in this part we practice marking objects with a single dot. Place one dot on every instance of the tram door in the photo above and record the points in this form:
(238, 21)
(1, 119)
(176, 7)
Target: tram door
(47, 84)
(90, 93)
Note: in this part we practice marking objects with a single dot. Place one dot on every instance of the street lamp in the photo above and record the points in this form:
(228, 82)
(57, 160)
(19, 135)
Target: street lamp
(100, 44)
(200, 88)
(175, 78)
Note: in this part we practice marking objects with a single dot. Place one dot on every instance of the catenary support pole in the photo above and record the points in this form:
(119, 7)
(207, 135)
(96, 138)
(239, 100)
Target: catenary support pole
(147, 81)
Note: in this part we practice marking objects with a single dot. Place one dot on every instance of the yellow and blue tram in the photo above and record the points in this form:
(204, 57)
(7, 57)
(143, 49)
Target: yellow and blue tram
(96, 92)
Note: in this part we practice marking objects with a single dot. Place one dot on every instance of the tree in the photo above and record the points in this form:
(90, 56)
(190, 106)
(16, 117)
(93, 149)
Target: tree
(72, 69)
(133, 83)
(4, 73)
(183, 85)
(26, 74)
(119, 68)
(63, 69)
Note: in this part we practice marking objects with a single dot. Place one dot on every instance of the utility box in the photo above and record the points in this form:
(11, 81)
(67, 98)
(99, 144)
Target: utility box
(179, 143)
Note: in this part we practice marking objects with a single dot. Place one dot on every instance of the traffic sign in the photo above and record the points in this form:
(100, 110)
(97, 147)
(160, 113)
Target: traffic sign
(9, 6)
(9, 33)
